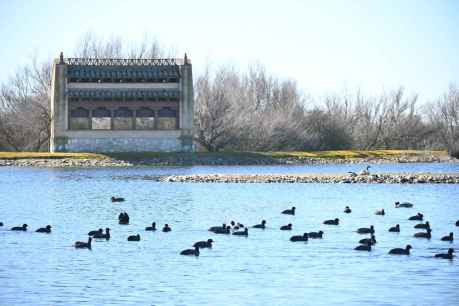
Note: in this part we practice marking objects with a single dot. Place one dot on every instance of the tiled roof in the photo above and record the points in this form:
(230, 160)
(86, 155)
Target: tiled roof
(123, 72)
(124, 93)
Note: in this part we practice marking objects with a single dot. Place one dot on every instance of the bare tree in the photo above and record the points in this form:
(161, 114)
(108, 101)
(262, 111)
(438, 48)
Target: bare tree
(214, 109)
(94, 46)
(248, 111)
(444, 116)
(24, 110)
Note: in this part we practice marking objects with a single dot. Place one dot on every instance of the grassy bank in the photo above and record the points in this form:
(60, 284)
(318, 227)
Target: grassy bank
(48, 155)
(357, 154)
(341, 154)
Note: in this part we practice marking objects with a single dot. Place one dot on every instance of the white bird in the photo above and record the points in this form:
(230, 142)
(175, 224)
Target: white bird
(366, 171)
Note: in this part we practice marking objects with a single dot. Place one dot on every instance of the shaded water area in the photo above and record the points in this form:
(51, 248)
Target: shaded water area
(263, 269)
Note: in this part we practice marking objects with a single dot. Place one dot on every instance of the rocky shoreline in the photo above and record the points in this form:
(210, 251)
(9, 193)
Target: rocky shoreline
(178, 161)
(397, 178)
(64, 163)
(386, 178)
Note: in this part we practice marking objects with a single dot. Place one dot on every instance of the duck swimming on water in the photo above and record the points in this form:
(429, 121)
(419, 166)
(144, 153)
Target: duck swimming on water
(400, 251)
(261, 225)
(204, 244)
(287, 227)
(192, 252)
(216, 228)
(296, 238)
(418, 217)
(380, 212)
(449, 238)
(103, 236)
(123, 218)
(366, 230)
(83, 245)
(289, 211)
(366, 247)
(405, 204)
(423, 225)
(134, 238)
(20, 228)
(332, 222)
(115, 199)
(315, 235)
(427, 235)
(347, 210)
(370, 241)
(166, 228)
(46, 229)
(395, 228)
(99, 231)
(152, 227)
(448, 255)
(1, 223)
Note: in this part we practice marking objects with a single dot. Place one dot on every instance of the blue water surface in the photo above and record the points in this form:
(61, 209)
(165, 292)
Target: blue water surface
(263, 269)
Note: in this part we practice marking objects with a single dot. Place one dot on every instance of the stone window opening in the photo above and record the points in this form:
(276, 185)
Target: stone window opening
(123, 119)
(145, 119)
(79, 119)
(101, 119)
(167, 119)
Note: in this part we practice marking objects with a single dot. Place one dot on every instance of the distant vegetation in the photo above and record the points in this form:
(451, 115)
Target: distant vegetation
(138, 156)
(250, 111)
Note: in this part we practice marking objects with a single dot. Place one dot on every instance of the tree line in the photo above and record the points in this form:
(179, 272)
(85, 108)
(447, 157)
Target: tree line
(257, 111)
(250, 110)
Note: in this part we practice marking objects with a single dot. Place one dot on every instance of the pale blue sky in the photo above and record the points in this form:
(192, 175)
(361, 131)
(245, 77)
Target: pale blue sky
(327, 46)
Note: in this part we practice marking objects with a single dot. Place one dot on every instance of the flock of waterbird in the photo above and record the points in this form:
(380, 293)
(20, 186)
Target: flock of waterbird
(238, 229)
(365, 244)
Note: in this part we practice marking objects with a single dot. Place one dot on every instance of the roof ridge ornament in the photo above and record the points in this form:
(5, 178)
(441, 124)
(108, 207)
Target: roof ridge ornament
(61, 58)
(122, 61)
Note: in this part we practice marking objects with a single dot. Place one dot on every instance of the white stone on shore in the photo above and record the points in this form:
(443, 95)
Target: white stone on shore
(311, 178)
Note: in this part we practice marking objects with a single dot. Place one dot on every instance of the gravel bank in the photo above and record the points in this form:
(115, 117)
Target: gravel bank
(214, 161)
(419, 178)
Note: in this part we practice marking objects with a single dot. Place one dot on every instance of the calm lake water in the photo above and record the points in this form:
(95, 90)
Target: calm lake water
(263, 269)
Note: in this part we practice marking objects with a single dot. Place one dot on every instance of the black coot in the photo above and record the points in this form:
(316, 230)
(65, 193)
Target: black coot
(20, 228)
(46, 229)
(400, 251)
(192, 252)
(204, 244)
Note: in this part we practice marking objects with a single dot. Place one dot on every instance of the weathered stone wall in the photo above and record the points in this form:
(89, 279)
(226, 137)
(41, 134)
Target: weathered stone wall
(117, 144)
(121, 123)
(58, 104)
(101, 123)
(144, 123)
